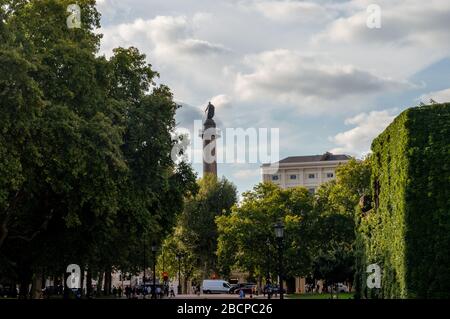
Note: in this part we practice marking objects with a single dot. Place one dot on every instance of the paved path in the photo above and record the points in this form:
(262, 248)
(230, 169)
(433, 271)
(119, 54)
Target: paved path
(221, 296)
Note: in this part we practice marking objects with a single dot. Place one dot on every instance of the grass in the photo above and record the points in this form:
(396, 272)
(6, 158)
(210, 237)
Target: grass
(342, 295)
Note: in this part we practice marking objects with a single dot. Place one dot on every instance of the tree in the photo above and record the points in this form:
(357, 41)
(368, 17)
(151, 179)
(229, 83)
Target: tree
(246, 236)
(334, 227)
(85, 145)
(195, 234)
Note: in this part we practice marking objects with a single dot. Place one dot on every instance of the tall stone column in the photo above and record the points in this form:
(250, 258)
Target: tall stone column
(209, 134)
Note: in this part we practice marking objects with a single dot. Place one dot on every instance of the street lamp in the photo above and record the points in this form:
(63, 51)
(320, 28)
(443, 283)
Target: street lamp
(144, 278)
(268, 259)
(178, 256)
(279, 234)
(268, 287)
(154, 249)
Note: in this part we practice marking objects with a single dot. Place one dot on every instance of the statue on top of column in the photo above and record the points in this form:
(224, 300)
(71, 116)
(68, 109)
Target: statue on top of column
(210, 109)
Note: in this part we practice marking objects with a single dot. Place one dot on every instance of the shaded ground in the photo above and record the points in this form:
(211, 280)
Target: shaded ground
(321, 296)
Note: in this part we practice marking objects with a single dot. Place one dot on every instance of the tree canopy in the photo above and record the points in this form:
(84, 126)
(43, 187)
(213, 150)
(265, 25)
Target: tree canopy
(86, 174)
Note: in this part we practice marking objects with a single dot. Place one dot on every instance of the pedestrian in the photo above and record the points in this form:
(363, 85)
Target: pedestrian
(172, 292)
(166, 290)
(241, 294)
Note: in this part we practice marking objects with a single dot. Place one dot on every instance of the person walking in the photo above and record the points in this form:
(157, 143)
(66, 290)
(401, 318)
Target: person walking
(158, 292)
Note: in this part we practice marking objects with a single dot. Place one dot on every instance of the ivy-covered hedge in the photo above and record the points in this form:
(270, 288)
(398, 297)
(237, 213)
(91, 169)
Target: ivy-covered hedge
(407, 232)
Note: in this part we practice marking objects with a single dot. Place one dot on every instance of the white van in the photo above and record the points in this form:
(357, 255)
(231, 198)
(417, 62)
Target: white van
(215, 286)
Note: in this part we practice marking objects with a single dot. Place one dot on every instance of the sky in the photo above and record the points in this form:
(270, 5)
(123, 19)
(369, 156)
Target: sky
(315, 70)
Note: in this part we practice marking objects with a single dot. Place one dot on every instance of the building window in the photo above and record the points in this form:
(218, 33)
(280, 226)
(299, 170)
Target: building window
(330, 175)
(311, 176)
(275, 177)
(311, 191)
(293, 177)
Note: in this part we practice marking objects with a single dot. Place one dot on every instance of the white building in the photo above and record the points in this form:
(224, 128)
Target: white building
(308, 171)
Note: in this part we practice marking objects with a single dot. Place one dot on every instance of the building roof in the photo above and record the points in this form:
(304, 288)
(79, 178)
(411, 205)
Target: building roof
(314, 158)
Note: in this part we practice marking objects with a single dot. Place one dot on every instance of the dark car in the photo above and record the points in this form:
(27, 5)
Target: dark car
(8, 291)
(274, 289)
(237, 287)
(249, 289)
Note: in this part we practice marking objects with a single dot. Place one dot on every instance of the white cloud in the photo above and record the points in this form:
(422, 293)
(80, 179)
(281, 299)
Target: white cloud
(170, 36)
(188, 64)
(257, 62)
(306, 81)
(293, 11)
(441, 96)
(407, 23)
(357, 141)
(221, 101)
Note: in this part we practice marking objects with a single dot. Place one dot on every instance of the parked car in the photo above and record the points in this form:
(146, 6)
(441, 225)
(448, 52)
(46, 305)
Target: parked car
(249, 289)
(275, 289)
(8, 291)
(340, 287)
(215, 286)
(239, 286)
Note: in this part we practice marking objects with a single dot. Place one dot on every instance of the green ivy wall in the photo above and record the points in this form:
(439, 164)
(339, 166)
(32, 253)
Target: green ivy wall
(408, 232)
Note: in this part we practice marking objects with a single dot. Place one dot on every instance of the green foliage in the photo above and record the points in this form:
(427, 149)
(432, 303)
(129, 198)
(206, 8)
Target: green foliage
(334, 232)
(86, 174)
(195, 234)
(408, 231)
(244, 233)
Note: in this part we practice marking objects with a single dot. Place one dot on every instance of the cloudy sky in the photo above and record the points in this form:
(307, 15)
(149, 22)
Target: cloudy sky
(313, 69)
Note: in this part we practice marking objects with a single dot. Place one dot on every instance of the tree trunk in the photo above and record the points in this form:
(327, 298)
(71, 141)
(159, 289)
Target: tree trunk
(108, 279)
(25, 277)
(36, 286)
(259, 284)
(82, 282)
(67, 290)
(89, 282)
(185, 285)
(99, 284)
(3, 232)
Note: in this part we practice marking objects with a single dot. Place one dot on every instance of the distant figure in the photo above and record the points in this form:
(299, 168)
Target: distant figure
(241, 294)
(158, 292)
(172, 292)
(211, 110)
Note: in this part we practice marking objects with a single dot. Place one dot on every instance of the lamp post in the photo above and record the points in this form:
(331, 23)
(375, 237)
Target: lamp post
(144, 278)
(154, 249)
(268, 259)
(279, 234)
(268, 287)
(178, 256)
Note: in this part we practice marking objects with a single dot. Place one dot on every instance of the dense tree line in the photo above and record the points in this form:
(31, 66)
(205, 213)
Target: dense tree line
(86, 175)
(319, 229)
(194, 237)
